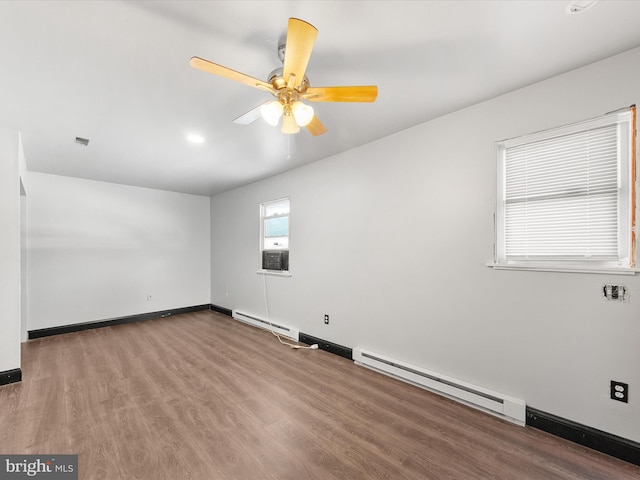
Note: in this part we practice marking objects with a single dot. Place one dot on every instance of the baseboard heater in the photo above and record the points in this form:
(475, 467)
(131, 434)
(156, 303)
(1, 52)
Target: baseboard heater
(283, 330)
(509, 408)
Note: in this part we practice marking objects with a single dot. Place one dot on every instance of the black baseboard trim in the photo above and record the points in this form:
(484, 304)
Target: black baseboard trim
(78, 327)
(223, 310)
(603, 442)
(328, 346)
(10, 376)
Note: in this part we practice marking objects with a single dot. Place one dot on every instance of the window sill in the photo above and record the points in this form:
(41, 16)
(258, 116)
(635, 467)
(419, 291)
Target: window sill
(565, 269)
(276, 273)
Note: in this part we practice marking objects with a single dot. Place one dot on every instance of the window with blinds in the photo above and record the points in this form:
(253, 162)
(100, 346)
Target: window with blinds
(565, 196)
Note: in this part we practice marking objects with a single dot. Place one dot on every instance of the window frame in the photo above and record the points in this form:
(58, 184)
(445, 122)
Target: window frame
(625, 120)
(263, 218)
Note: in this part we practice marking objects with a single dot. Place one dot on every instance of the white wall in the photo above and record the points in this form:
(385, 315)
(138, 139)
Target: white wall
(9, 251)
(24, 254)
(98, 250)
(392, 239)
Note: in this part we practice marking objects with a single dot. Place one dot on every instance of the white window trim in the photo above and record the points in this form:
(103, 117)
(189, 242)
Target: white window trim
(275, 273)
(624, 118)
(561, 269)
(261, 271)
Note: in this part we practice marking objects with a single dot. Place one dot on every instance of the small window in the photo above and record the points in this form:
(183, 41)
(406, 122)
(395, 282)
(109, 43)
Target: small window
(274, 235)
(566, 196)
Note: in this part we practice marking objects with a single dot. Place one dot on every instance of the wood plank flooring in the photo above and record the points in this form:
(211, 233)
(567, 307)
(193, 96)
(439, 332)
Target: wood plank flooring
(201, 396)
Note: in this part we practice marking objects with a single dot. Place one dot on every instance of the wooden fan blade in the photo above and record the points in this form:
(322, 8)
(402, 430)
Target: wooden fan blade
(251, 116)
(341, 94)
(210, 67)
(315, 127)
(300, 39)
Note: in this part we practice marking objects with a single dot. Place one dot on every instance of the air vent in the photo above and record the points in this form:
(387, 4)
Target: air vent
(82, 141)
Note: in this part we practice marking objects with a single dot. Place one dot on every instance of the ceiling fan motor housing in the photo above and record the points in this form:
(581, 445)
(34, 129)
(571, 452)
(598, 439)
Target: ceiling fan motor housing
(275, 78)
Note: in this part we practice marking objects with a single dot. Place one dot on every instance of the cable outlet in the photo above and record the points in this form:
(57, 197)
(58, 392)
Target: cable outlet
(619, 391)
(326, 319)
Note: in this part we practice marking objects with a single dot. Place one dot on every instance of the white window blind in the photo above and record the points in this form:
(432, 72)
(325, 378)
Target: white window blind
(564, 195)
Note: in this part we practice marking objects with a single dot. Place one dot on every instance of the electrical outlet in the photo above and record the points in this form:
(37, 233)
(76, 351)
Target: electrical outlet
(619, 293)
(326, 319)
(620, 391)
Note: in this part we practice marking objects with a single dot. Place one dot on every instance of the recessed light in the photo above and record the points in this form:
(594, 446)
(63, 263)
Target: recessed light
(194, 138)
(579, 6)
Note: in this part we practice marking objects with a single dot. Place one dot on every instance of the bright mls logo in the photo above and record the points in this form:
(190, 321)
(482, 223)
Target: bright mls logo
(44, 467)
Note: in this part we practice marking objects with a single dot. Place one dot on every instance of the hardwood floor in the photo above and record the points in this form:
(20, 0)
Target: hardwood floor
(202, 396)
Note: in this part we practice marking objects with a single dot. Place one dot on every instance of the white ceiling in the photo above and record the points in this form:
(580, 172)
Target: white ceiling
(117, 72)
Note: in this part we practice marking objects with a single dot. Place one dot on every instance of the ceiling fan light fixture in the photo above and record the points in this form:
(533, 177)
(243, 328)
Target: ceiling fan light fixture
(271, 112)
(289, 124)
(289, 83)
(302, 113)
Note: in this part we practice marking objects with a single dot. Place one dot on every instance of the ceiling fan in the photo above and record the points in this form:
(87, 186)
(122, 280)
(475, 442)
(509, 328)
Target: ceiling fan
(290, 86)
